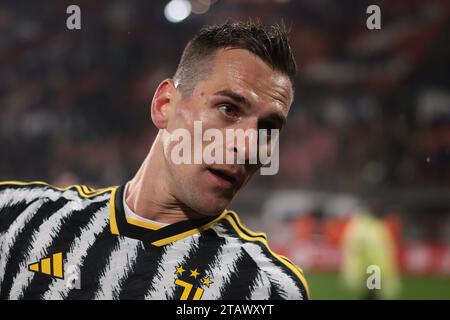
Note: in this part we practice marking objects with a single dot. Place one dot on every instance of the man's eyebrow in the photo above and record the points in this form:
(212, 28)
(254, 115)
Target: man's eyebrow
(235, 96)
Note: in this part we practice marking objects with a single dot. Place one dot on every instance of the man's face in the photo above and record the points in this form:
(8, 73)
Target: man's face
(241, 92)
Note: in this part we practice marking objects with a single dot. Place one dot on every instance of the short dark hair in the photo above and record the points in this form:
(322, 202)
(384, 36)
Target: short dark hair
(269, 43)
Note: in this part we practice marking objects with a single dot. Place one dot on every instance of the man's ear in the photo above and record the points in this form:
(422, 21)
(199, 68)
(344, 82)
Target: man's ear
(165, 95)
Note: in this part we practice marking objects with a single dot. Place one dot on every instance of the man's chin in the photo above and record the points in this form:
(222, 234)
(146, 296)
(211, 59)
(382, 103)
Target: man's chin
(213, 211)
(212, 207)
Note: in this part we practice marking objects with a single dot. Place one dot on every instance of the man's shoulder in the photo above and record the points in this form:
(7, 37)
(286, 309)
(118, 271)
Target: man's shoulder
(31, 199)
(279, 270)
(37, 221)
(12, 191)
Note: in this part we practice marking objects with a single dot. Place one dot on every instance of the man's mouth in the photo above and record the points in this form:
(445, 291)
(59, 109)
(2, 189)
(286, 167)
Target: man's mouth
(226, 178)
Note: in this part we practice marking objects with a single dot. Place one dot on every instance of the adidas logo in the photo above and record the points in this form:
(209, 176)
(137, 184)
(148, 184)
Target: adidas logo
(52, 266)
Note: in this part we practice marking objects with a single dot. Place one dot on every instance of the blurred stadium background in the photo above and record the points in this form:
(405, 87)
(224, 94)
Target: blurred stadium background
(370, 123)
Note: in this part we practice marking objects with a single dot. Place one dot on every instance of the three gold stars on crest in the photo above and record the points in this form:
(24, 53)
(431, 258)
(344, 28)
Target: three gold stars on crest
(194, 273)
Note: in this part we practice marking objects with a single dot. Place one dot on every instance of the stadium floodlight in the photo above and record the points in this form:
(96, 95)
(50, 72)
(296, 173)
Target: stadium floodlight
(177, 10)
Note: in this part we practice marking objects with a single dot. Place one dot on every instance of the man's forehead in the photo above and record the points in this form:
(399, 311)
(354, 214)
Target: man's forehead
(246, 73)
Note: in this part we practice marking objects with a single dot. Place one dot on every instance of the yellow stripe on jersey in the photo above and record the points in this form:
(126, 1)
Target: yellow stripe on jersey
(85, 189)
(243, 228)
(112, 213)
(295, 269)
(189, 232)
(78, 188)
(46, 266)
(143, 224)
(58, 265)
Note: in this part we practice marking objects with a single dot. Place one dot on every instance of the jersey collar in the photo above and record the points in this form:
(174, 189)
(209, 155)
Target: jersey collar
(157, 236)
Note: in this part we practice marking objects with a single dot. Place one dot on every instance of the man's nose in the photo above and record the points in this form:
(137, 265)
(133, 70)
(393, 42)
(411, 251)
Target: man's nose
(244, 144)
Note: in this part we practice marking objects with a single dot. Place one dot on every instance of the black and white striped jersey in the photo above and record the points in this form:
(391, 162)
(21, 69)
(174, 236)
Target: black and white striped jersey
(77, 243)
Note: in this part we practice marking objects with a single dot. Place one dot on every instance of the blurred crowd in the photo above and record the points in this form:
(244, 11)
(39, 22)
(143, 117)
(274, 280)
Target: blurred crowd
(372, 106)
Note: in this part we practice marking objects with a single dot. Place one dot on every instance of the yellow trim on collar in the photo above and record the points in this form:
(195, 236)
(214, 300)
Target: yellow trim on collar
(112, 213)
(189, 232)
(143, 224)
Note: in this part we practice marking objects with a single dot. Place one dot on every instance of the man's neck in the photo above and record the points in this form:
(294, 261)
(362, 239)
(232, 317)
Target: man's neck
(155, 201)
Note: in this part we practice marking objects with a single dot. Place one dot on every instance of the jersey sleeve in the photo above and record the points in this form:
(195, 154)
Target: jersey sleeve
(13, 201)
(20, 197)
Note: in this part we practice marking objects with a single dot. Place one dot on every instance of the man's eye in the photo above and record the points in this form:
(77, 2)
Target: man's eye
(229, 110)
